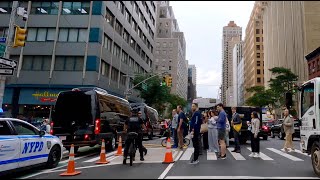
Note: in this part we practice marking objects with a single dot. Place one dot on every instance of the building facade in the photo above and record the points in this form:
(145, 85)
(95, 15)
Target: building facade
(240, 84)
(228, 42)
(253, 50)
(297, 34)
(170, 50)
(313, 60)
(237, 57)
(192, 87)
(74, 44)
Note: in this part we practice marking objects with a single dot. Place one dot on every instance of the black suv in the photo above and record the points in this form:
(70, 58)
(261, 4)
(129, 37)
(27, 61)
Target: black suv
(277, 129)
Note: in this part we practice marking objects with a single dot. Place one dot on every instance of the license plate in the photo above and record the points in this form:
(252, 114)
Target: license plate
(62, 138)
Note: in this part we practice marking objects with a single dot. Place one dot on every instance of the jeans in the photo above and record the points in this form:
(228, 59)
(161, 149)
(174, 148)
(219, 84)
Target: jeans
(195, 141)
(255, 144)
(175, 137)
(236, 140)
(138, 144)
(213, 139)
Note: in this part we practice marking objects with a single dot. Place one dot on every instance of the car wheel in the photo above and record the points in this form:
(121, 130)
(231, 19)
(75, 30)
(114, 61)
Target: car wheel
(272, 134)
(54, 157)
(315, 158)
(112, 143)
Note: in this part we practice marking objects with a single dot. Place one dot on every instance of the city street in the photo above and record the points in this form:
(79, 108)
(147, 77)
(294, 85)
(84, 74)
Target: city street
(273, 163)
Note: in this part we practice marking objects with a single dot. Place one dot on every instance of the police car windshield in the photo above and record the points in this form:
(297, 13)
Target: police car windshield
(72, 108)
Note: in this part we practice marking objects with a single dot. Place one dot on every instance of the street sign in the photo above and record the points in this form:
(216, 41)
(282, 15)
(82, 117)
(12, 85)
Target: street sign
(6, 71)
(144, 86)
(8, 62)
(3, 39)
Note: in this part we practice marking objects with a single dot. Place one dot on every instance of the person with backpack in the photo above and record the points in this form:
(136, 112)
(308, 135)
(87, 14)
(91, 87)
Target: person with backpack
(236, 123)
(181, 126)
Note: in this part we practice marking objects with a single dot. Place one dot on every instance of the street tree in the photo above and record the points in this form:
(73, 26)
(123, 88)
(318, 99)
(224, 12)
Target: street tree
(262, 97)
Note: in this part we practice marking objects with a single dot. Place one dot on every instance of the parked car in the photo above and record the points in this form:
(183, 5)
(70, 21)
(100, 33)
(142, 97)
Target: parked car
(278, 130)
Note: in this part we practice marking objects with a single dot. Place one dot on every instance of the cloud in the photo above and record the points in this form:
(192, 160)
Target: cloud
(202, 23)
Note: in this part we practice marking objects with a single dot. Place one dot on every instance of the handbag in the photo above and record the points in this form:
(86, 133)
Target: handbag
(227, 125)
(237, 127)
(204, 128)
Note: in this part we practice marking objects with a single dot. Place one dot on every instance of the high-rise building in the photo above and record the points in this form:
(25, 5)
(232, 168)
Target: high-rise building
(74, 44)
(193, 73)
(228, 42)
(237, 57)
(192, 91)
(170, 51)
(253, 50)
(291, 31)
(240, 84)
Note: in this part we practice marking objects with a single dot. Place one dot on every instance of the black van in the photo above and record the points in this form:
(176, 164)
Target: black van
(85, 116)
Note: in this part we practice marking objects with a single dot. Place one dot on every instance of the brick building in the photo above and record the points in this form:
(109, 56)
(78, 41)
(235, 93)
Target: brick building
(313, 60)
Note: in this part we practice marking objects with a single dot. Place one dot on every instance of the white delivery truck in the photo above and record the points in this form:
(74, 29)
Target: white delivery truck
(309, 113)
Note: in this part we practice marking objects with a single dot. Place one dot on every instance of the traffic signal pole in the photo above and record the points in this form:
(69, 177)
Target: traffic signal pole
(8, 46)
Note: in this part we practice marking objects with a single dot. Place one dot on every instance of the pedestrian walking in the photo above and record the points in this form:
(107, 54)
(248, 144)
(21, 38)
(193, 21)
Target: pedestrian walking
(181, 126)
(221, 126)
(288, 127)
(255, 140)
(174, 125)
(195, 126)
(205, 132)
(236, 123)
(213, 132)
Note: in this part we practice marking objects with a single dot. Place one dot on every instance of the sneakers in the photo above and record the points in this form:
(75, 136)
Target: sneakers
(252, 154)
(194, 162)
(141, 159)
(223, 157)
(256, 155)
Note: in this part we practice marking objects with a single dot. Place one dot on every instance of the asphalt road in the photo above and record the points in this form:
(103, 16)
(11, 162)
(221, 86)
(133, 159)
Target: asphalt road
(273, 163)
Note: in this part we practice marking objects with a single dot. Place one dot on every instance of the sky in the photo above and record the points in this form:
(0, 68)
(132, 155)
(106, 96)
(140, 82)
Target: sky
(202, 23)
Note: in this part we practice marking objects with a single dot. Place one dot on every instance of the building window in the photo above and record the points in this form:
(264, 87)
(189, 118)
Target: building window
(138, 49)
(105, 68)
(133, 43)
(118, 27)
(5, 7)
(4, 32)
(107, 43)
(114, 74)
(128, 16)
(109, 17)
(36, 63)
(120, 6)
(169, 68)
(257, 23)
(124, 57)
(131, 61)
(139, 32)
(258, 80)
(116, 50)
(68, 63)
(144, 39)
(318, 65)
(258, 63)
(158, 44)
(258, 71)
(123, 79)
(257, 31)
(258, 55)
(258, 47)
(157, 67)
(125, 36)
(257, 39)
(71, 35)
(143, 55)
(164, 52)
(44, 8)
(76, 8)
(134, 25)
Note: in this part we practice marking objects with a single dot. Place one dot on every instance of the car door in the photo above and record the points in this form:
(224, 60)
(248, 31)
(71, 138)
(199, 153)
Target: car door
(33, 147)
(9, 147)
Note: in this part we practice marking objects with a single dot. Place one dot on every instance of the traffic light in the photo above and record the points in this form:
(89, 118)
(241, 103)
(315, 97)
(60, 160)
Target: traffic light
(164, 80)
(169, 83)
(19, 37)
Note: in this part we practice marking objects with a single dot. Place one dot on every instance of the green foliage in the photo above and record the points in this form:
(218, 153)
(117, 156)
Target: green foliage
(261, 98)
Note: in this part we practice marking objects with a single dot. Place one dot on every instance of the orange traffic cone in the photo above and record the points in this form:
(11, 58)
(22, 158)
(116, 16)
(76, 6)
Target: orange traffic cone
(103, 154)
(168, 156)
(119, 152)
(71, 169)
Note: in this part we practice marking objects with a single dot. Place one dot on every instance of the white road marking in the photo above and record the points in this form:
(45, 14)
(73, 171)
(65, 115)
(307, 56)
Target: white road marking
(298, 151)
(179, 155)
(211, 156)
(237, 156)
(235, 177)
(293, 158)
(187, 154)
(263, 156)
(97, 158)
(165, 172)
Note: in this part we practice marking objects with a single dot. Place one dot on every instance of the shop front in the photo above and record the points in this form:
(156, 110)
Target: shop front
(32, 103)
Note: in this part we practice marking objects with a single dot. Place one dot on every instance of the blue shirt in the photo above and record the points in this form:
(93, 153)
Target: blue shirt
(181, 116)
(196, 122)
(221, 122)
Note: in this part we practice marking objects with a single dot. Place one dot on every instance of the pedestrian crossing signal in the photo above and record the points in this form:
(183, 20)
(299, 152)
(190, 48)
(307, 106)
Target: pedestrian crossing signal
(19, 37)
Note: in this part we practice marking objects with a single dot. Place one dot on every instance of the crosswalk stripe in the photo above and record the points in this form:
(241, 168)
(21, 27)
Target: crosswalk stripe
(298, 151)
(293, 158)
(237, 156)
(97, 158)
(262, 156)
(187, 154)
(211, 156)
(178, 156)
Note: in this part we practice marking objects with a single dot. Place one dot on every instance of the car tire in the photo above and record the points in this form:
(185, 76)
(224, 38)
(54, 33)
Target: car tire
(54, 157)
(111, 146)
(272, 134)
(315, 158)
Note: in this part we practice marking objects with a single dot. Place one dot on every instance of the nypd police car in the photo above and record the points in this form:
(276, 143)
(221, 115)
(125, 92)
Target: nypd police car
(23, 145)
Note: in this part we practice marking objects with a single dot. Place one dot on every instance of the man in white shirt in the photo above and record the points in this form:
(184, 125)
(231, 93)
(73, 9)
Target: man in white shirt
(174, 125)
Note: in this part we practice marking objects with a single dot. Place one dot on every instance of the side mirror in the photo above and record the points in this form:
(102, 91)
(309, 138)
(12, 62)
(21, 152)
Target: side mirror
(42, 133)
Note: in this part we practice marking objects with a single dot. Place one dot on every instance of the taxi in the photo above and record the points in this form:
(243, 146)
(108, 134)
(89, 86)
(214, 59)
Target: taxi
(23, 145)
